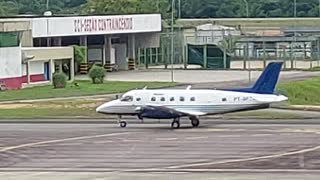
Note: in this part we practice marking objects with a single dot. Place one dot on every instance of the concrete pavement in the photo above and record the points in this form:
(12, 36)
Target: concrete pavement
(142, 151)
(195, 76)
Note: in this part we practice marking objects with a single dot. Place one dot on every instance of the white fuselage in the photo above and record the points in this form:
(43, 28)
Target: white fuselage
(202, 101)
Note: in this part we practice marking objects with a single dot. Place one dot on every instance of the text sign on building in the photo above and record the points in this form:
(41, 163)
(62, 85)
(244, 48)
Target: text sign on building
(93, 25)
(102, 25)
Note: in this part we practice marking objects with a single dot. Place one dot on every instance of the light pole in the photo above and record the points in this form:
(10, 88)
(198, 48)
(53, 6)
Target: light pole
(179, 2)
(248, 54)
(295, 33)
(172, 38)
(47, 5)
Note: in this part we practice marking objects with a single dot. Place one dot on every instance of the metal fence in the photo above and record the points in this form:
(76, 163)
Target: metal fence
(244, 51)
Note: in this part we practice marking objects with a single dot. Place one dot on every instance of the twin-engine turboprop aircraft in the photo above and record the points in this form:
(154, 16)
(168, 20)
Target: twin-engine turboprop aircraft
(174, 104)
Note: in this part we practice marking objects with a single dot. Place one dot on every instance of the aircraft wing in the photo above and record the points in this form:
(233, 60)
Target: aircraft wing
(176, 111)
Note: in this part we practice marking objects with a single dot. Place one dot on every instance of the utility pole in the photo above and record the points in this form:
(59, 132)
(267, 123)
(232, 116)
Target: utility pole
(295, 34)
(47, 6)
(179, 2)
(172, 38)
(248, 49)
(319, 9)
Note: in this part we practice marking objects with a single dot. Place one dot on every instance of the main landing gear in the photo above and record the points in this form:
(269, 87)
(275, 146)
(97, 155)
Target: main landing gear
(176, 122)
(195, 121)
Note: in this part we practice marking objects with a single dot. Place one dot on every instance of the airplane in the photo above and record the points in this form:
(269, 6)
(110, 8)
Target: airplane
(195, 103)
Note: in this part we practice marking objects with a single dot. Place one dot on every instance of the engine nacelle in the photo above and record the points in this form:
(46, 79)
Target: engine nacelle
(156, 113)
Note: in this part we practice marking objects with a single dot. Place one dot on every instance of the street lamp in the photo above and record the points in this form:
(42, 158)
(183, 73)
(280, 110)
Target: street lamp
(295, 33)
(47, 5)
(179, 2)
(248, 54)
(172, 38)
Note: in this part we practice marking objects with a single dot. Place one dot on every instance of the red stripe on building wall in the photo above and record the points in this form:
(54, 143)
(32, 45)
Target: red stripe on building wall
(33, 78)
(16, 83)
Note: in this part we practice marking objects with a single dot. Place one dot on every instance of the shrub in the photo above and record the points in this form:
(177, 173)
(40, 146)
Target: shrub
(59, 80)
(80, 54)
(97, 74)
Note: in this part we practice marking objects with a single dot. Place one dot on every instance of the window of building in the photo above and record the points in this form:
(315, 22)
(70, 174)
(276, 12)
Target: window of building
(10, 39)
(193, 99)
(153, 99)
(182, 99)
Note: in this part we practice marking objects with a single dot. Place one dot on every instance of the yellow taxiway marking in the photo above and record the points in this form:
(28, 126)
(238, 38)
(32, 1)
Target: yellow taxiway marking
(247, 159)
(58, 141)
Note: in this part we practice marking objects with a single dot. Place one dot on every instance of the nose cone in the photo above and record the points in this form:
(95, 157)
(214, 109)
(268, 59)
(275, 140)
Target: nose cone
(103, 108)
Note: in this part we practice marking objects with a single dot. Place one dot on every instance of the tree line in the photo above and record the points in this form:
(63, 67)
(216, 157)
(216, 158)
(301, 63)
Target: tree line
(186, 8)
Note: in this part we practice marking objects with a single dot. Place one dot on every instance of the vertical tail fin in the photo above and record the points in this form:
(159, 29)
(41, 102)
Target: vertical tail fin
(267, 81)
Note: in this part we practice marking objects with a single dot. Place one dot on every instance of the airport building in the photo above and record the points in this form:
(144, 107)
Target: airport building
(33, 48)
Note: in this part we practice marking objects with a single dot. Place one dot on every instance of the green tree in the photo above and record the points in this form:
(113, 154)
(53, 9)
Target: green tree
(228, 45)
(8, 8)
(124, 6)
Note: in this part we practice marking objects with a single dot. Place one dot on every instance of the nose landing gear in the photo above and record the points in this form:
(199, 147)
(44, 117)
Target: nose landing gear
(123, 124)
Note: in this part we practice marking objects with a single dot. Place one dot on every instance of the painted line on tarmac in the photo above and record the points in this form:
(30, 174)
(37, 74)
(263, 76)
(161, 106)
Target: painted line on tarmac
(229, 136)
(166, 139)
(261, 135)
(58, 141)
(197, 138)
(46, 171)
(247, 159)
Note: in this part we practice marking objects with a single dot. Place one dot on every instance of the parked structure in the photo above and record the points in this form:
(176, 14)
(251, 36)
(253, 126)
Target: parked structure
(33, 48)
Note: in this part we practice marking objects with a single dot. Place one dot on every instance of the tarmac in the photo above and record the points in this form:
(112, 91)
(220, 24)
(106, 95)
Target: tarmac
(220, 149)
(197, 76)
(255, 149)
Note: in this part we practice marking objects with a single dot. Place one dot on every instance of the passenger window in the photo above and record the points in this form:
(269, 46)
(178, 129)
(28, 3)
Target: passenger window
(153, 99)
(193, 99)
(172, 99)
(138, 99)
(182, 99)
(127, 99)
(224, 99)
(163, 99)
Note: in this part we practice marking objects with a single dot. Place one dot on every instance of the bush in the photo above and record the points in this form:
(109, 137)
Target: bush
(97, 74)
(59, 80)
(80, 54)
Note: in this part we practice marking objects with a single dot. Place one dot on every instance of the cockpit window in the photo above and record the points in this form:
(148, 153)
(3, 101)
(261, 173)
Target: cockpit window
(127, 99)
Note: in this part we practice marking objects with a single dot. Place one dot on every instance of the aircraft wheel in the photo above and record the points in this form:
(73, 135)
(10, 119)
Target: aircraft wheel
(175, 124)
(123, 124)
(195, 122)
